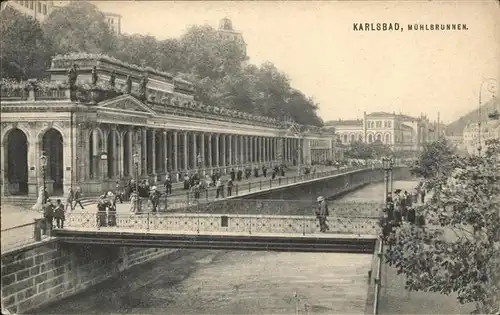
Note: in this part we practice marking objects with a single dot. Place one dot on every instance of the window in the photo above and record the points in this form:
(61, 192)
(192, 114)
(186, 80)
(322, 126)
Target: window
(44, 9)
(39, 7)
(345, 138)
(370, 138)
(387, 138)
(379, 124)
(32, 4)
(352, 138)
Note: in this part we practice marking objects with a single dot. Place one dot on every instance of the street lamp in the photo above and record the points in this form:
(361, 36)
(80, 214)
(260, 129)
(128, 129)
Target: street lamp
(391, 174)
(136, 167)
(43, 164)
(386, 164)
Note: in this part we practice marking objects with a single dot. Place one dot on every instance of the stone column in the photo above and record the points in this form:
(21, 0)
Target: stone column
(252, 149)
(165, 151)
(121, 156)
(224, 151)
(195, 152)
(104, 163)
(131, 152)
(153, 152)
(202, 149)
(144, 151)
(116, 155)
(242, 150)
(210, 152)
(230, 150)
(175, 152)
(217, 150)
(185, 147)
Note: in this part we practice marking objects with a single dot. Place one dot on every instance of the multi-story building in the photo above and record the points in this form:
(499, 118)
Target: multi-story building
(227, 32)
(464, 130)
(398, 131)
(475, 135)
(128, 121)
(40, 10)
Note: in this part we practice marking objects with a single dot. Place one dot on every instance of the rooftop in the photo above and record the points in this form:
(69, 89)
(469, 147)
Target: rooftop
(348, 122)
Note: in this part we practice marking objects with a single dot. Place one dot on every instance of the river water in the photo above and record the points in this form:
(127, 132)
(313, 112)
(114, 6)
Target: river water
(231, 282)
(234, 282)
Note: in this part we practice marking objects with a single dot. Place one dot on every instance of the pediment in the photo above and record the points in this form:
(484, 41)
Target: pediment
(292, 131)
(127, 102)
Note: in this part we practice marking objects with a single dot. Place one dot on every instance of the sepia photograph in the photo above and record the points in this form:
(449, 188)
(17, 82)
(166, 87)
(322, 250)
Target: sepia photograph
(250, 157)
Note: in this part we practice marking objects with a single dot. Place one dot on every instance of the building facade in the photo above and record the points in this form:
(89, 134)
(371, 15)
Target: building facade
(40, 10)
(123, 121)
(227, 32)
(475, 135)
(399, 132)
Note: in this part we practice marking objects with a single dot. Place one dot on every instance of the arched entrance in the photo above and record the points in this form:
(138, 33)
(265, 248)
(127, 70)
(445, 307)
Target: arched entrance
(16, 162)
(52, 145)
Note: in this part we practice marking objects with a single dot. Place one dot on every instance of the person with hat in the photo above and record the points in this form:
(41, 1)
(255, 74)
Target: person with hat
(59, 214)
(154, 198)
(322, 214)
(101, 211)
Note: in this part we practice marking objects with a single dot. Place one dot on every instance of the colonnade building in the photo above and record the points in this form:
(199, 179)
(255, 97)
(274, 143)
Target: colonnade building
(123, 121)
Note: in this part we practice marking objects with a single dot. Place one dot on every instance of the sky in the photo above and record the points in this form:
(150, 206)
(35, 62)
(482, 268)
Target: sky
(348, 72)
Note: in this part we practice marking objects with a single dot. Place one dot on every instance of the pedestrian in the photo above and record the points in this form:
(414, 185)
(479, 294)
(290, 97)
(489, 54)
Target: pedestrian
(69, 200)
(59, 214)
(101, 211)
(322, 214)
(45, 196)
(118, 193)
(133, 201)
(411, 215)
(218, 187)
(77, 198)
(232, 174)
(229, 187)
(168, 185)
(48, 214)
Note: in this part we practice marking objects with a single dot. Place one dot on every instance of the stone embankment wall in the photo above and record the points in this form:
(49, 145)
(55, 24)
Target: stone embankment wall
(330, 187)
(46, 272)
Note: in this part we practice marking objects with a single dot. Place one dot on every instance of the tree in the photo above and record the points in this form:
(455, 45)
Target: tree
(364, 151)
(460, 252)
(436, 161)
(26, 51)
(79, 27)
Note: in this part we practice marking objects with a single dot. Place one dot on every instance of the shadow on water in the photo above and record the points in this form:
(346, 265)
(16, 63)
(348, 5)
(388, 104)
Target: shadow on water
(134, 290)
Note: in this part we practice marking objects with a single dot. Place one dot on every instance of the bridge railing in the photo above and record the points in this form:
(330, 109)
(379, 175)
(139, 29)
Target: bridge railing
(180, 199)
(218, 223)
(274, 207)
(21, 235)
(186, 198)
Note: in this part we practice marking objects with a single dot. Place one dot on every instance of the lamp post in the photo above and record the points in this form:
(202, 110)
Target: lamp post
(492, 87)
(386, 164)
(43, 164)
(391, 175)
(136, 175)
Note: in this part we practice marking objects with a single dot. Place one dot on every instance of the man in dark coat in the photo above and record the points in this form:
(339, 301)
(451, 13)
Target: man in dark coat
(59, 214)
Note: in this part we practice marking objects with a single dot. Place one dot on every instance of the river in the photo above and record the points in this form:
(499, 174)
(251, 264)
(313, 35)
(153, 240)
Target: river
(234, 282)
(230, 282)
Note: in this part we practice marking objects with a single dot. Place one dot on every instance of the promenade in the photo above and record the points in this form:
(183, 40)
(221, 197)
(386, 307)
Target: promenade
(394, 298)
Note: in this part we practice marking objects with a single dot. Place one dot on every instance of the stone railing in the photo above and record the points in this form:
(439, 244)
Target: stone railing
(33, 94)
(251, 224)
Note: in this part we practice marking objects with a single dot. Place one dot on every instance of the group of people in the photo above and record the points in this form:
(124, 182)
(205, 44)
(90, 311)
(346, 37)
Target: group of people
(402, 208)
(54, 212)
